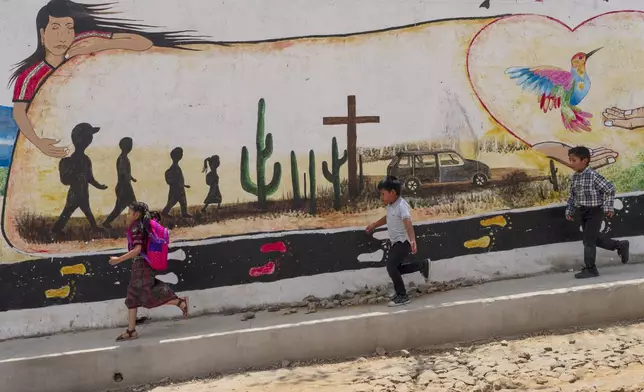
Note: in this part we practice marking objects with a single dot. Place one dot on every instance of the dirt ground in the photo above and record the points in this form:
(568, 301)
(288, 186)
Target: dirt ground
(610, 359)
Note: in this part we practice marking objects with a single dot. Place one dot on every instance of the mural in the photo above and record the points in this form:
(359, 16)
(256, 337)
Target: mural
(270, 151)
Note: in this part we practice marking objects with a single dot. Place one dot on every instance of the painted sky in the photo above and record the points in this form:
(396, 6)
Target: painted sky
(8, 131)
(249, 20)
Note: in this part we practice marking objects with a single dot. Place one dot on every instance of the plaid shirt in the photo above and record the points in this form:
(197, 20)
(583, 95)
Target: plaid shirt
(590, 189)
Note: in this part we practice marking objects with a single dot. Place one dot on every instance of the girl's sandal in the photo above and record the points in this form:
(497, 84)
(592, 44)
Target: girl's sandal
(128, 335)
(185, 308)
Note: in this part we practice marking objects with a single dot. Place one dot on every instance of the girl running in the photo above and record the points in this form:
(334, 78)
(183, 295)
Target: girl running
(144, 289)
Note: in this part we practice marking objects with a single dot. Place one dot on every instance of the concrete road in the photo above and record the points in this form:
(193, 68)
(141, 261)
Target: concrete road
(608, 359)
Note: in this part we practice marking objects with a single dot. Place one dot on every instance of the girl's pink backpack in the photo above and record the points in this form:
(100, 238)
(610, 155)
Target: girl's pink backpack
(156, 253)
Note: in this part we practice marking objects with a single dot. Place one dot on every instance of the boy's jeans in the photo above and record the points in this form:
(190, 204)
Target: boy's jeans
(591, 219)
(397, 254)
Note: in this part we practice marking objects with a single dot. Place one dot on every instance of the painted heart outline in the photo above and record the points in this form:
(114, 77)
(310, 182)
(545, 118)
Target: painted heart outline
(528, 40)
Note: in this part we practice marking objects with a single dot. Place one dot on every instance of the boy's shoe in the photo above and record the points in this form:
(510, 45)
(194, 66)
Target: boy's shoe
(624, 251)
(425, 270)
(587, 273)
(399, 300)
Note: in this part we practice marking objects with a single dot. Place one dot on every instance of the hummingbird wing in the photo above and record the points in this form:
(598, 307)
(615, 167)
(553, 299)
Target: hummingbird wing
(554, 87)
(549, 83)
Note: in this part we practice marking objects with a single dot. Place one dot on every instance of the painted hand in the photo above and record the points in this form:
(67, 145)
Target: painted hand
(46, 146)
(626, 119)
(114, 260)
(557, 151)
(610, 214)
(569, 217)
(88, 46)
(414, 248)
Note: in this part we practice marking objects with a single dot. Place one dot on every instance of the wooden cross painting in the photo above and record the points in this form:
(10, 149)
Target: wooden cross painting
(351, 121)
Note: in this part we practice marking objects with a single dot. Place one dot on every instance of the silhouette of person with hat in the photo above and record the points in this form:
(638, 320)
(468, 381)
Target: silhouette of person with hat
(176, 182)
(124, 191)
(76, 172)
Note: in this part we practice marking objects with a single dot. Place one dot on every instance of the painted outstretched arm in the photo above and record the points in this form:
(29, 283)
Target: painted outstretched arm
(92, 180)
(124, 41)
(599, 157)
(626, 119)
(45, 145)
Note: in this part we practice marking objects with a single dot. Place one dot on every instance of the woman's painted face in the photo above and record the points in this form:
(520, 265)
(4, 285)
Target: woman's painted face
(58, 36)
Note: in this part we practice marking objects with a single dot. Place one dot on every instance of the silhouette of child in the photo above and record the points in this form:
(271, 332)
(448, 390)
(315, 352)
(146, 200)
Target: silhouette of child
(212, 180)
(174, 178)
(76, 172)
(124, 191)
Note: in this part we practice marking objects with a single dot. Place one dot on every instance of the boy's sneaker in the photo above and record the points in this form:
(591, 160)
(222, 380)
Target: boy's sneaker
(425, 270)
(399, 300)
(624, 251)
(587, 273)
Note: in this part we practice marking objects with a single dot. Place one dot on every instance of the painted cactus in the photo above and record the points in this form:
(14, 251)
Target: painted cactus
(295, 179)
(333, 176)
(313, 184)
(553, 176)
(264, 145)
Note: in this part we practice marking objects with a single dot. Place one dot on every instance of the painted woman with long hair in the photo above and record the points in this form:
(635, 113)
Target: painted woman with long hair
(66, 29)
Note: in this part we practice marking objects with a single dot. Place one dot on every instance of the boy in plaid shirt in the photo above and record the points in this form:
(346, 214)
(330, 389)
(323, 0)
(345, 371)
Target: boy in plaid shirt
(591, 198)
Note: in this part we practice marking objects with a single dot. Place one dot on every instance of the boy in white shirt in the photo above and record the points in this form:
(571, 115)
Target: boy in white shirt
(402, 237)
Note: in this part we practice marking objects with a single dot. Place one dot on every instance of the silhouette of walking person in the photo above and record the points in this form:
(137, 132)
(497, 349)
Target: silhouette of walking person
(124, 191)
(76, 172)
(212, 180)
(174, 178)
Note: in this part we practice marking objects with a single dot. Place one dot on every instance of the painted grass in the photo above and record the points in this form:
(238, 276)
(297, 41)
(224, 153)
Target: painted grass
(515, 193)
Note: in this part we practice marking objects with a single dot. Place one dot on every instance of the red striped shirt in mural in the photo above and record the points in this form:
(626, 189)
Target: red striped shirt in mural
(28, 82)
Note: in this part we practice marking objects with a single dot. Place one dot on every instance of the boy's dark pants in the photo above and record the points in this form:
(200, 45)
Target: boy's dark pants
(396, 266)
(591, 219)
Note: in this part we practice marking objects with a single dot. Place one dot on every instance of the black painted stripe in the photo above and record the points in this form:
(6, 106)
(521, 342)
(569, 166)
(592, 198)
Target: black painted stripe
(23, 285)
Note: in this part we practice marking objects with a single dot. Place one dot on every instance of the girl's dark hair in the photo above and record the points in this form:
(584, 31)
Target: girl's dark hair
(144, 212)
(213, 161)
(89, 17)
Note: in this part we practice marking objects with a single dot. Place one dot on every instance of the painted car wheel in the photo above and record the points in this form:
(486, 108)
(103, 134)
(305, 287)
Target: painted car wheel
(412, 184)
(480, 180)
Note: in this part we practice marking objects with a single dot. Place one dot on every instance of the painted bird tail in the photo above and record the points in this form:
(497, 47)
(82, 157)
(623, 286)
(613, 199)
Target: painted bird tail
(575, 119)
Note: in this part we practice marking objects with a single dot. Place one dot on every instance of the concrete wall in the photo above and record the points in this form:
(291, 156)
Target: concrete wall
(429, 77)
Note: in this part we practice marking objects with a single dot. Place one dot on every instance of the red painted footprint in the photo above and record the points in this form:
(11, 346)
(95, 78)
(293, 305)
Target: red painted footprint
(278, 246)
(267, 269)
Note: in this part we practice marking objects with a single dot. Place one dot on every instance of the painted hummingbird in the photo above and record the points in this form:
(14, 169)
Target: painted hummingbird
(559, 89)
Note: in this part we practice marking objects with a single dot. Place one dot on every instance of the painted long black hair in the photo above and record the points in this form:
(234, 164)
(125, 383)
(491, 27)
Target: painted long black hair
(89, 17)
(213, 161)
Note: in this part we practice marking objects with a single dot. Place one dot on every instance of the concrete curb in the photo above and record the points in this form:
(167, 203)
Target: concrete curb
(93, 370)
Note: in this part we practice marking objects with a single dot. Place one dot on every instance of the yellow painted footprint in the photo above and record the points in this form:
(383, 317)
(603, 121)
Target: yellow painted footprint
(61, 292)
(499, 221)
(483, 242)
(77, 269)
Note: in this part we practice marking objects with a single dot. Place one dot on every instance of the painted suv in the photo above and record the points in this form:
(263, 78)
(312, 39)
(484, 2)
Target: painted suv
(416, 168)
